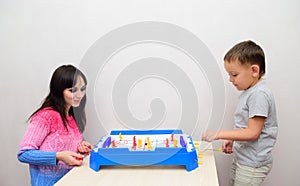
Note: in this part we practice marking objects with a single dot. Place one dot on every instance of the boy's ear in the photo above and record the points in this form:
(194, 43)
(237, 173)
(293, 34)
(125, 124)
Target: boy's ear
(255, 70)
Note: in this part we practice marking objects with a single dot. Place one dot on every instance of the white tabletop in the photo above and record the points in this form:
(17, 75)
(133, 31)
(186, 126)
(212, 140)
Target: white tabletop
(205, 174)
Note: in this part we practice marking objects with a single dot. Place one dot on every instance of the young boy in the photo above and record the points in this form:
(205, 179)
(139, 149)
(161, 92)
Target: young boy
(255, 131)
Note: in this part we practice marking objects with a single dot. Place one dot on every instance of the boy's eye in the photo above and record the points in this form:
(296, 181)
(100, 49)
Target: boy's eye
(233, 75)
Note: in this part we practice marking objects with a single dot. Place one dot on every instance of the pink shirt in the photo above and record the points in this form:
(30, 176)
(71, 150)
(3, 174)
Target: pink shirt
(46, 132)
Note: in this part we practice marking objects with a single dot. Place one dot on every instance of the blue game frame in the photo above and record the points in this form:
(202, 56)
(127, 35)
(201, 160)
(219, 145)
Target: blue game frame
(160, 156)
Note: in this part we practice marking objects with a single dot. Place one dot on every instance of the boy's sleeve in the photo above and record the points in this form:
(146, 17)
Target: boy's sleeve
(258, 104)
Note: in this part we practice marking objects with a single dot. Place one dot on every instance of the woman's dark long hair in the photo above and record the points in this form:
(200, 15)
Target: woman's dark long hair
(64, 77)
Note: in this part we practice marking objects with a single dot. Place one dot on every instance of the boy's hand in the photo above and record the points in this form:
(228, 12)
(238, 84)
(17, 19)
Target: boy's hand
(210, 135)
(227, 146)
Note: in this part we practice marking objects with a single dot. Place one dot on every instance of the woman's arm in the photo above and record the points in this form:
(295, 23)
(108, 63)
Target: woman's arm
(37, 157)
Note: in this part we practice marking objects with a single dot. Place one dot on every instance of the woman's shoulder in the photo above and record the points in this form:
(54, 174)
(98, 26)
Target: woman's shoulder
(47, 113)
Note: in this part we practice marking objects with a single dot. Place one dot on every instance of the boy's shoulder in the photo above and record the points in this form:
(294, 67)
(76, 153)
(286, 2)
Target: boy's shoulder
(263, 88)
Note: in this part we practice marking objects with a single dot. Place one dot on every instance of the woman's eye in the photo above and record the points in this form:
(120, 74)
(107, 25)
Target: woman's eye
(83, 88)
(73, 90)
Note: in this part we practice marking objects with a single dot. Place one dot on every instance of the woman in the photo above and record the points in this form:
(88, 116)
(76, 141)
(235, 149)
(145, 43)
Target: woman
(53, 141)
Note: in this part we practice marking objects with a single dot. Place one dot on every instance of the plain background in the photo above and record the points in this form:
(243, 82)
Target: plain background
(38, 36)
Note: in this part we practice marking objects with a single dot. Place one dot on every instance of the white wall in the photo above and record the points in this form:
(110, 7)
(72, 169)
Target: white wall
(38, 36)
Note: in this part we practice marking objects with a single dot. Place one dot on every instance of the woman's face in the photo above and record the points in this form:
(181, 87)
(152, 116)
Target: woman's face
(74, 94)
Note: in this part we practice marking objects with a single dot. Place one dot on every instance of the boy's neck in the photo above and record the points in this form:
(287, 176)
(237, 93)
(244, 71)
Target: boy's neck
(255, 82)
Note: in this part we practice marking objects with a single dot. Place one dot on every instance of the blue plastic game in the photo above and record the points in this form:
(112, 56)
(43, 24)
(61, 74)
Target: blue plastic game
(149, 147)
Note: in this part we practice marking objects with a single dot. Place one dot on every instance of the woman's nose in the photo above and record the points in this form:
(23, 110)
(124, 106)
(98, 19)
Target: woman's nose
(80, 94)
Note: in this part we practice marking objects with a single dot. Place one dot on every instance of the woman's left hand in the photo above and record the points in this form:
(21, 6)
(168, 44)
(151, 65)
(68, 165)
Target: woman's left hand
(84, 148)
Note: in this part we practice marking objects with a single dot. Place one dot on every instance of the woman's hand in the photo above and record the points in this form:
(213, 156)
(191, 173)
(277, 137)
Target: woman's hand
(84, 148)
(69, 158)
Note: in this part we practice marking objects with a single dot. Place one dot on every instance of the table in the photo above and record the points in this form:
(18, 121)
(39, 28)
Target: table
(205, 174)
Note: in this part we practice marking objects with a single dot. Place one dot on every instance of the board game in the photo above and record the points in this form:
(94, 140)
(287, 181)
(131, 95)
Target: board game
(149, 147)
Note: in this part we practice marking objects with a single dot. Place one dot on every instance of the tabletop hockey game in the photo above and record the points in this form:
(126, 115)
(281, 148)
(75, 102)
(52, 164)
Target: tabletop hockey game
(144, 148)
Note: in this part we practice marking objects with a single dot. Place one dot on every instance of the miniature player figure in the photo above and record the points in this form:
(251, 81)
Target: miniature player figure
(120, 136)
(175, 143)
(134, 143)
(167, 142)
(113, 144)
(149, 144)
(140, 142)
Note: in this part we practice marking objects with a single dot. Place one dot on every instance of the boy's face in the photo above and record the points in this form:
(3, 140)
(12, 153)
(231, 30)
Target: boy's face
(242, 76)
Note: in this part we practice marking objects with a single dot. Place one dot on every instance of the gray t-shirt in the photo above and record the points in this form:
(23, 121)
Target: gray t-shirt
(256, 101)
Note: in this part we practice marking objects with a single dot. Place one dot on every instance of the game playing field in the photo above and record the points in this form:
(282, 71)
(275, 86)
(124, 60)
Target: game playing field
(153, 147)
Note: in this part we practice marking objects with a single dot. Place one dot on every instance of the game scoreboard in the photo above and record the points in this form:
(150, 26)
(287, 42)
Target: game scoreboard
(144, 148)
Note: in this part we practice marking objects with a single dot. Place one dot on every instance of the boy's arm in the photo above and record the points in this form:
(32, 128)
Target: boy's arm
(252, 132)
(255, 126)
